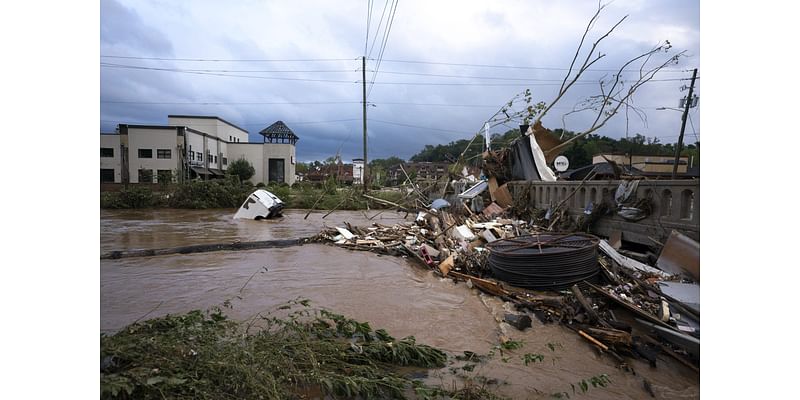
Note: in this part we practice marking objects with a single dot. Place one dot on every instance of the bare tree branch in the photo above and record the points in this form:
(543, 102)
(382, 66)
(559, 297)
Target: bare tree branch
(613, 99)
(586, 63)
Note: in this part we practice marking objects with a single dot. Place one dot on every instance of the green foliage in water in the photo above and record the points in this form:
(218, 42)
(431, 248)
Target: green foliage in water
(217, 193)
(204, 355)
(229, 193)
(530, 358)
(133, 196)
(582, 386)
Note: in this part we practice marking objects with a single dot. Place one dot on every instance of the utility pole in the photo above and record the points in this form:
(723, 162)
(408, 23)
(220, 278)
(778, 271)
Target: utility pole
(683, 125)
(364, 112)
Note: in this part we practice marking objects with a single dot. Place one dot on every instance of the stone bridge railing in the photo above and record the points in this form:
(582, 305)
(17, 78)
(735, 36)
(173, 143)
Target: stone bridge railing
(676, 205)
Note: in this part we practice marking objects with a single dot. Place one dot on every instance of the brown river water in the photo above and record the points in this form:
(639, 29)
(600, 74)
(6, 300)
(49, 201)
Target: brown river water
(388, 292)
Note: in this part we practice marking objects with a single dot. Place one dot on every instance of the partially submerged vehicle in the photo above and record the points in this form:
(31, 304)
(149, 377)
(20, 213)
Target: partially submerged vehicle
(260, 204)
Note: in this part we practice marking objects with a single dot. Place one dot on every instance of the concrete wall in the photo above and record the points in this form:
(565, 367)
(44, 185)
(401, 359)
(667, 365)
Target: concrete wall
(195, 142)
(252, 152)
(212, 126)
(223, 155)
(153, 139)
(115, 163)
(212, 150)
(676, 205)
(285, 152)
(207, 125)
(231, 133)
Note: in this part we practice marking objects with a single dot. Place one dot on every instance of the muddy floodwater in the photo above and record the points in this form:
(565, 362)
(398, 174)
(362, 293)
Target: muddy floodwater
(388, 292)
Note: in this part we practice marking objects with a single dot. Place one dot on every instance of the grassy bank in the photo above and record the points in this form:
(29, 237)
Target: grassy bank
(306, 352)
(228, 193)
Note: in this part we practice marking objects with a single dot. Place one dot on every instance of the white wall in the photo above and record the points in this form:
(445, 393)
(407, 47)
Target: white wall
(153, 139)
(287, 153)
(213, 148)
(212, 126)
(358, 171)
(207, 125)
(223, 149)
(252, 152)
(115, 163)
(230, 133)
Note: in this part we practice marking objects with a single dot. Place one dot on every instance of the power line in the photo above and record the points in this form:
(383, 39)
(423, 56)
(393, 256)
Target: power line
(202, 72)
(383, 45)
(380, 22)
(107, 65)
(212, 103)
(237, 70)
(379, 103)
(517, 67)
(522, 83)
(416, 126)
(504, 78)
(229, 60)
(247, 124)
(369, 17)
(343, 71)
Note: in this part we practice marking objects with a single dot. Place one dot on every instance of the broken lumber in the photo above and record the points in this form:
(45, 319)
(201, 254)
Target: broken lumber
(386, 202)
(630, 263)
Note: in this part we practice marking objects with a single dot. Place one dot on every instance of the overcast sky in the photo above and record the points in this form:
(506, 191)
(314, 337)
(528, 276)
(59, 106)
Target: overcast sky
(160, 58)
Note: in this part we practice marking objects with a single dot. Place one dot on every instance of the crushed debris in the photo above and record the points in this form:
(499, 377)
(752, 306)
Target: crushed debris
(539, 262)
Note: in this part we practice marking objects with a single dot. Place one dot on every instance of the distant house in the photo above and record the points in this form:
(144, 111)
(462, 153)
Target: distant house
(421, 171)
(342, 173)
(645, 163)
(194, 147)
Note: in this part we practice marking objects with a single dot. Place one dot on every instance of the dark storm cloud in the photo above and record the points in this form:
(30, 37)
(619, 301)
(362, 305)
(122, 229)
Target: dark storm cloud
(123, 27)
(542, 34)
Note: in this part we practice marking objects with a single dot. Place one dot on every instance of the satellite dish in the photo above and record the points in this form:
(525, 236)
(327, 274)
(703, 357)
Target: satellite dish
(561, 163)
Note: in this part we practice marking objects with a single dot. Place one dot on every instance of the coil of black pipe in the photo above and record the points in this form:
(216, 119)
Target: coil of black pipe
(547, 261)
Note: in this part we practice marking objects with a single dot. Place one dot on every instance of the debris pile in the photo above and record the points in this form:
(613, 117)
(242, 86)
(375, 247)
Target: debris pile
(539, 261)
(545, 261)
(575, 279)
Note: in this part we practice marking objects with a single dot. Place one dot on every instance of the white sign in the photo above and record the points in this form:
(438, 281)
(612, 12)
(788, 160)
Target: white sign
(561, 163)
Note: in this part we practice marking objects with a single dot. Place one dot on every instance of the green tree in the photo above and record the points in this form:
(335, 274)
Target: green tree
(241, 168)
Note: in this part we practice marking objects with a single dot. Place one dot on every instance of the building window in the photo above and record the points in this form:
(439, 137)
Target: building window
(106, 176)
(106, 152)
(224, 160)
(145, 176)
(191, 155)
(145, 153)
(230, 138)
(215, 159)
(199, 156)
(164, 176)
(164, 153)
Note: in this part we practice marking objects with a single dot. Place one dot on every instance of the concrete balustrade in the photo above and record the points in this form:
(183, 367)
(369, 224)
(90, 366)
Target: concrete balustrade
(676, 205)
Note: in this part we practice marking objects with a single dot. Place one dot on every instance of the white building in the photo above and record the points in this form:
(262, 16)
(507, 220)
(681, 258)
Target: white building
(191, 147)
(358, 171)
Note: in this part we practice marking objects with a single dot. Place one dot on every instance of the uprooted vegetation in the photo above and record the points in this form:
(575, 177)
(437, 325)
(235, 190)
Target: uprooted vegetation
(205, 355)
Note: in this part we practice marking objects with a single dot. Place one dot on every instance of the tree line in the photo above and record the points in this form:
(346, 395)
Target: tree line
(579, 152)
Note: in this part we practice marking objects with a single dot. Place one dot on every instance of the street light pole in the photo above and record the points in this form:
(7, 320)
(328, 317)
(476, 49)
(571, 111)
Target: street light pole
(683, 125)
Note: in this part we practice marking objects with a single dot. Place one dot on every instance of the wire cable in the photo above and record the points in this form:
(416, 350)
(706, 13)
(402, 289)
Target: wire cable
(383, 46)
(228, 60)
